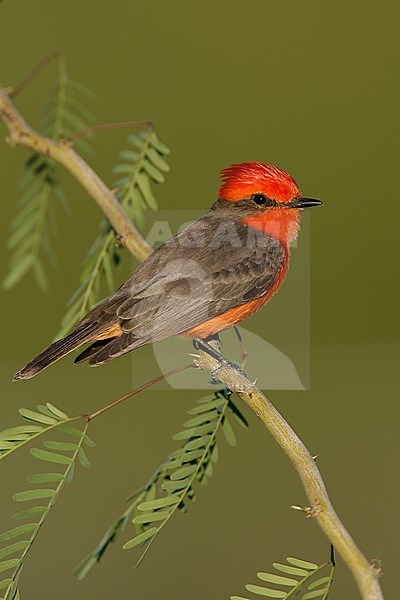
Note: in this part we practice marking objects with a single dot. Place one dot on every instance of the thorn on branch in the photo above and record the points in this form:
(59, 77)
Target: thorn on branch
(376, 565)
(310, 511)
(119, 240)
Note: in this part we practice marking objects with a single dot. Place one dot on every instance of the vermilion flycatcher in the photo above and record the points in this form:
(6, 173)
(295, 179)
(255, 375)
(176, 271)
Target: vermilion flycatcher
(210, 276)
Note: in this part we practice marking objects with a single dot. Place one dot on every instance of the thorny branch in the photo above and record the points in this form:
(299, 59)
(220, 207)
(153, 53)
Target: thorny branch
(321, 509)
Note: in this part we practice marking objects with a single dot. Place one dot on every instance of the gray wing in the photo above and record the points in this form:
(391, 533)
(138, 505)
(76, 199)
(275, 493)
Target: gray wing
(206, 270)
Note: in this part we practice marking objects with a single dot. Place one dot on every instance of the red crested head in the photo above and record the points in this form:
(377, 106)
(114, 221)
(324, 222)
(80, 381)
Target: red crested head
(245, 179)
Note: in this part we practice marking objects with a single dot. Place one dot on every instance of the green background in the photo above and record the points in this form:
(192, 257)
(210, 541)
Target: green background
(311, 87)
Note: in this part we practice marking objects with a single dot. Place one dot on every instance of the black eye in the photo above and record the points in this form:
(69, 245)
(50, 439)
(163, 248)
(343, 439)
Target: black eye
(260, 199)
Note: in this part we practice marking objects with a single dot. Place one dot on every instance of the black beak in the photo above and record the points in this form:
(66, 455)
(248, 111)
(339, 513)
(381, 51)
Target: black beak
(305, 202)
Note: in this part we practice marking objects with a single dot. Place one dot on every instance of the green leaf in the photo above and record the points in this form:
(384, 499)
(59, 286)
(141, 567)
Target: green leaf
(76, 123)
(24, 231)
(108, 271)
(66, 446)
(151, 517)
(139, 539)
(13, 548)
(18, 531)
(30, 512)
(9, 564)
(204, 408)
(77, 433)
(83, 459)
(195, 432)
(13, 432)
(159, 146)
(40, 275)
(5, 583)
(263, 591)
(6, 445)
(239, 416)
(159, 503)
(144, 186)
(173, 464)
(129, 155)
(31, 415)
(122, 169)
(24, 213)
(314, 594)
(135, 140)
(183, 435)
(74, 105)
(173, 486)
(18, 272)
(319, 582)
(202, 418)
(183, 473)
(303, 564)
(176, 454)
(206, 399)
(81, 90)
(208, 469)
(45, 477)
(33, 495)
(214, 454)
(42, 408)
(85, 566)
(200, 442)
(278, 579)
(56, 411)
(290, 570)
(60, 459)
(157, 160)
(193, 455)
(229, 433)
(153, 172)
(70, 473)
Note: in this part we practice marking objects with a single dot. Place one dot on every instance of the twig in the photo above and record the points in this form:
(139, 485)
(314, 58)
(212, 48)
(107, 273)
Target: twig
(105, 126)
(13, 91)
(320, 508)
(137, 390)
(20, 134)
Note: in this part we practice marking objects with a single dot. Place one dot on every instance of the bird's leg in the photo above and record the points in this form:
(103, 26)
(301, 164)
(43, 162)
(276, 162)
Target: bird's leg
(211, 346)
(245, 354)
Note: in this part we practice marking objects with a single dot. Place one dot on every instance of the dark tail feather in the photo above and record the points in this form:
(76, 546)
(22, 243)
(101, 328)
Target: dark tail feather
(95, 347)
(57, 350)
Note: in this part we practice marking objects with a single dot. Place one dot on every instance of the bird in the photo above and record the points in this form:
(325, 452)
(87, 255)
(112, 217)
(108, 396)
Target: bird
(212, 275)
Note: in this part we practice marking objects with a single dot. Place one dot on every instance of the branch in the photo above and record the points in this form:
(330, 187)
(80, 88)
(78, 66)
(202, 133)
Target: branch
(320, 508)
(20, 134)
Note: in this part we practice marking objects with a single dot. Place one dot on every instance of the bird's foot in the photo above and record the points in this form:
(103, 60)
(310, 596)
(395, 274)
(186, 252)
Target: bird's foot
(208, 346)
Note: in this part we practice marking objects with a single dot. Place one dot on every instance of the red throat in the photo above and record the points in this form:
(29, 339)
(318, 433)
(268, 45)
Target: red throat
(281, 223)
